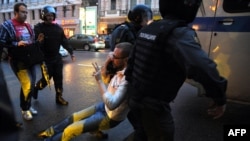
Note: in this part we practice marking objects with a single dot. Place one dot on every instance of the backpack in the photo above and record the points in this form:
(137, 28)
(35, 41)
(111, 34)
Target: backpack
(122, 33)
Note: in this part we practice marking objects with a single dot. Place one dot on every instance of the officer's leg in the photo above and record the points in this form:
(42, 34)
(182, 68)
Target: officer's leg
(42, 83)
(139, 133)
(58, 79)
(158, 126)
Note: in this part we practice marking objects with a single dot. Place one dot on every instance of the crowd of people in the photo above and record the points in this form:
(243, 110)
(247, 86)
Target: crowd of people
(147, 65)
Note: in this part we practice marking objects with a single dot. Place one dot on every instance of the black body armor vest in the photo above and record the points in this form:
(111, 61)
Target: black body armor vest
(156, 73)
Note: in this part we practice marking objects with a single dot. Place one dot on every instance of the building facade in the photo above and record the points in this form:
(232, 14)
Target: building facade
(71, 14)
(113, 12)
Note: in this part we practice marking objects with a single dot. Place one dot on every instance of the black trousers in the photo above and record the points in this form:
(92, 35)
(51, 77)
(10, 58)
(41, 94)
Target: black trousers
(153, 115)
(55, 70)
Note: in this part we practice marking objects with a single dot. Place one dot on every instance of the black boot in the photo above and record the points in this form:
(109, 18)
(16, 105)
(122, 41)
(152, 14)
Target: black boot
(60, 100)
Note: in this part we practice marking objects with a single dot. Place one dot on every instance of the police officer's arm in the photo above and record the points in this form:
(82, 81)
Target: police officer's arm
(39, 36)
(66, 45)
(37, 30)
(194, 59)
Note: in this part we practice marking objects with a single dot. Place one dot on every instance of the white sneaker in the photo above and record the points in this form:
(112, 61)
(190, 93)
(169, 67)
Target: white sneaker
(33, 111)
(27, 115)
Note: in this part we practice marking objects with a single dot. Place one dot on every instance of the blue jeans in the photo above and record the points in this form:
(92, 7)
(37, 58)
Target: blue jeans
(91, 119)
(27, 77)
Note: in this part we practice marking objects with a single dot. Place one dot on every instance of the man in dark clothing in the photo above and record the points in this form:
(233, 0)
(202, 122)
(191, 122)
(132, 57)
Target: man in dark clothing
(138, 17)
(166, 53)
(53, 37)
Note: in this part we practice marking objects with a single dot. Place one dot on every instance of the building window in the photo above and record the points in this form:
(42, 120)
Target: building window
(113, 4)
(236, 6)
(40, 13)
(64, 11)
(33, 14)
(132, 4)
(4, 17)
(55, 9)
(148, 3)
(73, 10)
(9, 15)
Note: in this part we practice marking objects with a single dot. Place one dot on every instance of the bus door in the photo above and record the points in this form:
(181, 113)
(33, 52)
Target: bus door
(224, 32)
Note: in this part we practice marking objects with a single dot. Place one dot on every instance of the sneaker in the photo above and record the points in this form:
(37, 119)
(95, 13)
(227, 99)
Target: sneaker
(27, 115)
(33, 111)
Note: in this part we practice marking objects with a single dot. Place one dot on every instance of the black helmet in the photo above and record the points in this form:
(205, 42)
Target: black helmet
(46, 10)
(140, 11)
(182, 9)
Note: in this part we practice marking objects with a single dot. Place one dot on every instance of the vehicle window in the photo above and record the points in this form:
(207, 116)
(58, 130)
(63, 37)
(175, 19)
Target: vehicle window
(80, 37)
(73, 37)
(236, 6)
(85, 37)
(90, 37)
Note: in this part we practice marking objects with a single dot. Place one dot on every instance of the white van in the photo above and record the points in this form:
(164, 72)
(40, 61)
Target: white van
(223, 27)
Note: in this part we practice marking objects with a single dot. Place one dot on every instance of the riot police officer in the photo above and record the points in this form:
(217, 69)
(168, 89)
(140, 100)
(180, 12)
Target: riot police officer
(166, 52)
(54, 37)
(139, 16)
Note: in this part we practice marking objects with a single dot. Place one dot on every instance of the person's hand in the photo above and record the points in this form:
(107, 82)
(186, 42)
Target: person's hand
(108, 59)
(40, 37)
(97, 72)
(215, 110)
(21, 43)
(96, 67)
(107, 62)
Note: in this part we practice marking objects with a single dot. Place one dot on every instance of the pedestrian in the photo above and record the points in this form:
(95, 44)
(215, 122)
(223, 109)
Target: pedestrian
(19, 38)
(53, 37)
(166, 52)
(101, 116)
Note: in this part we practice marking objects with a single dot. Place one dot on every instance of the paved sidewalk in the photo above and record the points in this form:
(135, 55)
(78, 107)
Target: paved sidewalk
(189, 112)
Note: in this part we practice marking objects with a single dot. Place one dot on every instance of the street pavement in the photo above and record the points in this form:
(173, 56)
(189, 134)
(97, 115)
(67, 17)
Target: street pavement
(189, 110)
